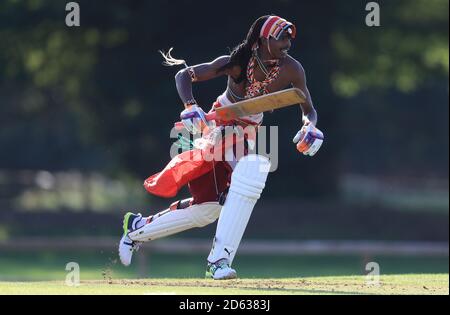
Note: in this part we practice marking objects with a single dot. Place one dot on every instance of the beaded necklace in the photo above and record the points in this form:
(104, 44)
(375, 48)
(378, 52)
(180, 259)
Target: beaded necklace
(254, 87)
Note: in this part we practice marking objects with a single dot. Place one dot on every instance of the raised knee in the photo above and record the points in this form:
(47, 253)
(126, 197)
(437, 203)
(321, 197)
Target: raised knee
(205, 213)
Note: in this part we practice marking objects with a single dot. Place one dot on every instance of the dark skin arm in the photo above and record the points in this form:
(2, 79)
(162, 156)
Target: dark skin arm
(208, 71)
(203, 72)
(299, 81)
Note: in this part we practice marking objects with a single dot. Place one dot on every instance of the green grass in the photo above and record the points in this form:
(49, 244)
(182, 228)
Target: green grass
(156, 273)
(47, 266)
(348, 285)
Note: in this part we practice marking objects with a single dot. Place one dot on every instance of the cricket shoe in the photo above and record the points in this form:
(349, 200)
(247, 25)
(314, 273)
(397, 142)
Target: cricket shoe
(220, 270)
(126, 245)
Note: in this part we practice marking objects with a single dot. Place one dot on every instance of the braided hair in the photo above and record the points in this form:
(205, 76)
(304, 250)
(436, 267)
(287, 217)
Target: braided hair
(241, 54)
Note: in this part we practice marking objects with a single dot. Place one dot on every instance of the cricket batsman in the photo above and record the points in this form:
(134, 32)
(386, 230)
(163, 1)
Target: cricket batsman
(226, 188)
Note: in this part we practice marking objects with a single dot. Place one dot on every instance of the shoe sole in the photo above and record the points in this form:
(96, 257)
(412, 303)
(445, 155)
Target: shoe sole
(126, 218)
(120, 258)
(208, 275)
(229, 277)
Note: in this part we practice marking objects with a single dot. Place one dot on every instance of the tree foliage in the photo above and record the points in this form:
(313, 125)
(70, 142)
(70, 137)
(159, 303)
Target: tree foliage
(97, 97)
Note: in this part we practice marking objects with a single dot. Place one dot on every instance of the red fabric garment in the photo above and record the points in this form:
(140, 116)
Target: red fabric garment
(191, 167)
(203, 188)
(199, 174)
(182, 169)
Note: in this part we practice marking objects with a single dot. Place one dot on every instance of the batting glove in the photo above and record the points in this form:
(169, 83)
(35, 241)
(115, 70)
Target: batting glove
(193, 119)
(309, 140)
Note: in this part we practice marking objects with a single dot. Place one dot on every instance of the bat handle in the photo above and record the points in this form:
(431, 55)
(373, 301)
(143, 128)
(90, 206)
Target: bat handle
(210, 116)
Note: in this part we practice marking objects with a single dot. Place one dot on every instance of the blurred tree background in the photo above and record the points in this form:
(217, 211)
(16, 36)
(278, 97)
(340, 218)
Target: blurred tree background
(95, 99)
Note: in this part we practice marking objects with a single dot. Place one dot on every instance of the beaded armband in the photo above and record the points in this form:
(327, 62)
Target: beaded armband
(192, 74)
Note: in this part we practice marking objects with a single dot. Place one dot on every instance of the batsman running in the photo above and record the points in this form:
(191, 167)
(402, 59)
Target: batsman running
(225, 189)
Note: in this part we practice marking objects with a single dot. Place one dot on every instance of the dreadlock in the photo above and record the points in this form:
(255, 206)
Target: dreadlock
(242, 53)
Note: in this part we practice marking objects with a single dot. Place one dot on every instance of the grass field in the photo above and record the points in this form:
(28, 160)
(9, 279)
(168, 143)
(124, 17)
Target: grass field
(101, 273)
(49, 266)
(348, 285)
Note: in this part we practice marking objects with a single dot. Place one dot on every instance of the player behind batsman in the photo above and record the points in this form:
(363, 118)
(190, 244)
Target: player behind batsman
(226, 189)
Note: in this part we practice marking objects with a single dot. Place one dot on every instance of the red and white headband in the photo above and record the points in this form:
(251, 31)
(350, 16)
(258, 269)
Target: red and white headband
(275, 26)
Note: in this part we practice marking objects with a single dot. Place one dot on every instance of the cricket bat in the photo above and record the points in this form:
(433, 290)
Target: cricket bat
(259, 104)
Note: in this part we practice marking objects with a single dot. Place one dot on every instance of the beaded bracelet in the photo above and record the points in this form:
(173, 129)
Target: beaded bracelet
(190, 102)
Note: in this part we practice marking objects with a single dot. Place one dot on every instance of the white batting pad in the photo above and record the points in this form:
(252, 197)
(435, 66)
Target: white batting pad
(178, 220)
(247, 182)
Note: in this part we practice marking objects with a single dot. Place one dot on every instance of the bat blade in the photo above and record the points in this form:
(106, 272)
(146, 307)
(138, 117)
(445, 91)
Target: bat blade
(261, 104)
